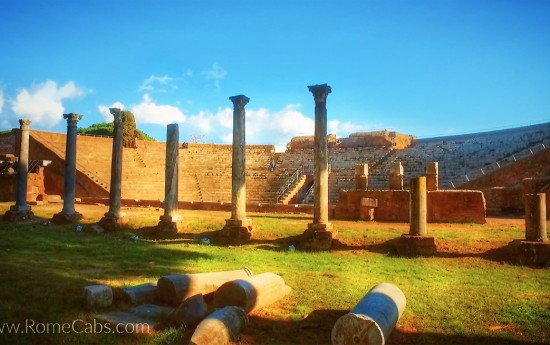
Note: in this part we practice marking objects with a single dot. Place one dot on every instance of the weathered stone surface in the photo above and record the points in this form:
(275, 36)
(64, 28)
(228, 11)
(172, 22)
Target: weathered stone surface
(174, 289)
(432, 176)
(221, 327)
(408, 245)
(237, 230)
(153, 312)
(396, 176)
(111, 222)
(69, 190)
(456, 206)
(98, 296)
(362, 176)
(139, 294)
(252, 293)
(317, 237)
(527, 253)
(418, 207)
(191, 311)
(166, 224)
(393, 206)
(535, 217)
(373, 319)
(66, 218)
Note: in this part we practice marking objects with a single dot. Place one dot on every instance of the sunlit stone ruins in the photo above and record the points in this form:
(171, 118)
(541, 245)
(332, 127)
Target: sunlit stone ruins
(379, 176)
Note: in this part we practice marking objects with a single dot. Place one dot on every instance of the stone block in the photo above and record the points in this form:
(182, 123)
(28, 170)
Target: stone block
(409, 245)
(139, 294)
(63, 218)
(317, 237)
(528, 253)
(98, 296)
(192, 311)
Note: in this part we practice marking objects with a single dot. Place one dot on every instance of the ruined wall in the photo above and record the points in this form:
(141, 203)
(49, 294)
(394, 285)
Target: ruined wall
(308, 142)
(393, 206)
(35, 186)
(396, 140)
(7, 143)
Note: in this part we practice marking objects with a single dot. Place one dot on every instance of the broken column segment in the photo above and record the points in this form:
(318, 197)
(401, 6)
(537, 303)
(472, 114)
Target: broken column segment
(535, 249)
(417, 242)
(362, 176)
(238, 228)
(21, 210)
(320, 233)
(432, 176)
(169, 220)
(396, 176)
(373, 319)
(221, 327)
(114, 218)
(68, 213)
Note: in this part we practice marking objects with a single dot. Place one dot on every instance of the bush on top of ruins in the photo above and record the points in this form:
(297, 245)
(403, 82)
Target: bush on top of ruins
(129, 131)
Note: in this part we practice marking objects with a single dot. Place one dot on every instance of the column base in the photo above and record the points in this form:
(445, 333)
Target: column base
(64, 218)
(410, 245)
(529, 253)
(112, 222)
(317, 237)
(17, 213)
(237, 230)
(167, 226)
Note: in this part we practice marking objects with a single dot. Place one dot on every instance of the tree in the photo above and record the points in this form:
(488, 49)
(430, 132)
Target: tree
(128, 129)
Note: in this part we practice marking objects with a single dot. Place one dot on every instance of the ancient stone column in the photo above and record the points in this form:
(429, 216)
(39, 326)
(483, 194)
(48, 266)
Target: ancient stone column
(319, 234)
(396, 176)
(432, 176)
(418, 207)
(168, 221)
(114, 218)
(535, 217)
(238, 228)
(21, 210)
(362, 176)
(68, 213)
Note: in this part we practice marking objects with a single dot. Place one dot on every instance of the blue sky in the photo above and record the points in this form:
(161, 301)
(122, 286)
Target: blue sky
(425, 68)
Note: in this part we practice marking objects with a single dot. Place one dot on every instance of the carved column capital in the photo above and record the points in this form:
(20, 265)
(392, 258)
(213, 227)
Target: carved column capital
(320, 92)
(117, 114)
(72, 119)
(239, 101)
(24, 124)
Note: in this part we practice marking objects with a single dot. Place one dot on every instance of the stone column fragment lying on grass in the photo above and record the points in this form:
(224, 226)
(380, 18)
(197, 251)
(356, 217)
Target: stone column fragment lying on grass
(114, 218)
(191, 311)
(21, 210)
(417, 242)
(98, 296)
(362, 176)
(320, 233)
(238, 228)
(221, 327)
(252, 293)
(169, 220)
(135, 295)
(373, 319)
(68, 213)
(396, 176)
(174, 289)
(535, 249)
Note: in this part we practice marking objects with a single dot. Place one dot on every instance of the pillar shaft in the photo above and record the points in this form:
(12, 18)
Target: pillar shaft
(23, 167)
(418, 207)
(535, 217)
(171, 170)
(70, 163)
(116, 164)
(238, 169)
(432, 176)
(396, 176)
(361, 176)
(320, 154)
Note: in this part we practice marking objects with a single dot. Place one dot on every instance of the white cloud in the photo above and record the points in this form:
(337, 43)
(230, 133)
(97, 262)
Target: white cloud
(150, 83)
(343, 129)
(43, 103)
(1, 100)
(216, 74)
(150, 112)
(106, 113)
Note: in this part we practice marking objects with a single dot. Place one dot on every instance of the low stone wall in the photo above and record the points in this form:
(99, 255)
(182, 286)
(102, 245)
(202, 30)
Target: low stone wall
(457, 206)
(35, 186)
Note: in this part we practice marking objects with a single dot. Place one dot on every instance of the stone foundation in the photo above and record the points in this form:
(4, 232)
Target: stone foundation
(408, 245)
(62, 218)
(528, 253)
(317, 237)
(237, 230)
(14, 215)
(167, 226)
(111, 222)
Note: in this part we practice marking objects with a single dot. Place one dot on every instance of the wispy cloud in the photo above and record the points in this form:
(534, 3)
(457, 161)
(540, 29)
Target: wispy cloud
(43, 103)
(215, 74)
(1, 100)
(150, 112)
(154, 81)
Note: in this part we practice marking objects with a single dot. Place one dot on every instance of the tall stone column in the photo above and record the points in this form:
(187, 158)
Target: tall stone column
(114, 218)
(362, 176)
(21, 210)
(169, 221)
(319, 234)
(68, 213)
(417, 242)
(396, 176)
(432, 176)
(238, 228)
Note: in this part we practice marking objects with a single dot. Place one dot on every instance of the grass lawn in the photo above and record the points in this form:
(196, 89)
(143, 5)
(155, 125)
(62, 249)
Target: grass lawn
(467, 294)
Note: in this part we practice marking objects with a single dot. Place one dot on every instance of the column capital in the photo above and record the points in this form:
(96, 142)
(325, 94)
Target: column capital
(320, 92)
(117, 114)
(72, 119)
(239, 101)
(24, 124)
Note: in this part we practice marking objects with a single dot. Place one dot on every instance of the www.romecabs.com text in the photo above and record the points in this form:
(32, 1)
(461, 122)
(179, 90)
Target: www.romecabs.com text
(76, 326)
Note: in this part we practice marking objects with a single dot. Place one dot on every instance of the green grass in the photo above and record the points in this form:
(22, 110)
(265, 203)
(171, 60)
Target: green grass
(461, 296)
